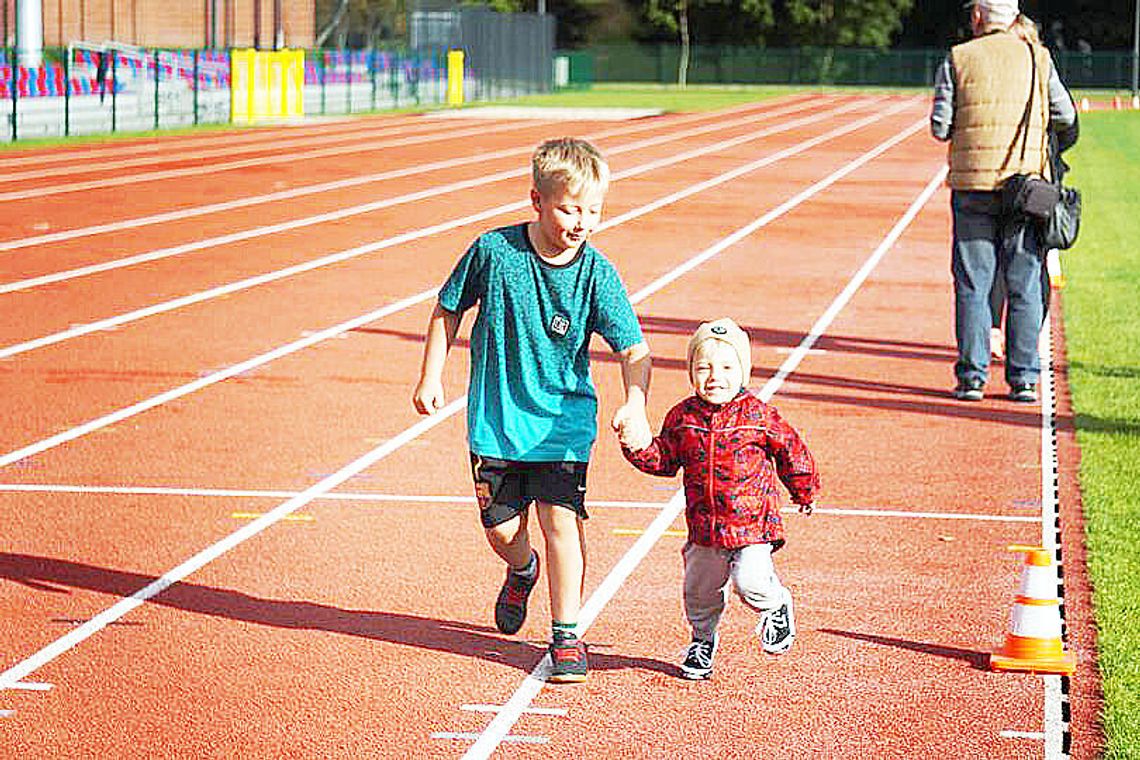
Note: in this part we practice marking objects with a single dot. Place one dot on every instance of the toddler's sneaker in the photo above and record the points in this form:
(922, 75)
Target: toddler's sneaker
(777, 628)
(510, 607)
(698, 664)
(567, 660)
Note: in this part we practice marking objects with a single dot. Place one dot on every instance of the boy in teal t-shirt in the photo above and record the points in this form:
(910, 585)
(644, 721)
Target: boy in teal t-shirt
(542, 291)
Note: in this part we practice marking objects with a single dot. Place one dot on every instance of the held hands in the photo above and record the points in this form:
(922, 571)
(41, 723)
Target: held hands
(632, 427)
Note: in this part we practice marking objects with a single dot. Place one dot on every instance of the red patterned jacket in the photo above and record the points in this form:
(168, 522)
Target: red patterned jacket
(732, 455)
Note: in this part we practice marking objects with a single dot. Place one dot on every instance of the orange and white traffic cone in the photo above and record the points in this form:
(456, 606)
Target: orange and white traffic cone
(1033, 643)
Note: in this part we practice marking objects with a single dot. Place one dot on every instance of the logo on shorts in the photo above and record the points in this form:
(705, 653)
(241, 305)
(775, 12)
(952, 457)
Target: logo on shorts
(559, 325)
(483, 495)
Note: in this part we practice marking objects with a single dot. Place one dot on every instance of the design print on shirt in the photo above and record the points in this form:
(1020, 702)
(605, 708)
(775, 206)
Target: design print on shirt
(559, 325)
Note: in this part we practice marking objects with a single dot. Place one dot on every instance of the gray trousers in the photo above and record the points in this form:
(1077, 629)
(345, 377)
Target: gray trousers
(708, 571)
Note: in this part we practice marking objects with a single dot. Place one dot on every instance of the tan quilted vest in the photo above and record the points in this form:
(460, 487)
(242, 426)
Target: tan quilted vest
(992, 77)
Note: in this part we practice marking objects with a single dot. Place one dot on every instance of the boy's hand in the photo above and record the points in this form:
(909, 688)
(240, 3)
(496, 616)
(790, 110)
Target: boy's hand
(632, 427)
(428, 397)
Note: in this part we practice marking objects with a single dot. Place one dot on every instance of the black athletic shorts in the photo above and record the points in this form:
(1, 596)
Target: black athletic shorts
(505, 488)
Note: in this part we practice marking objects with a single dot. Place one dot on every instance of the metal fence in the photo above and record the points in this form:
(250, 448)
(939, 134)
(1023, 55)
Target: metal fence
(507, 55)
(818, 66)
(93, 90)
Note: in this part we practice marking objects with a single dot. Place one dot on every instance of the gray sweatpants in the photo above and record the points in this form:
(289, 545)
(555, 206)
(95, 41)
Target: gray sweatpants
(707, 573)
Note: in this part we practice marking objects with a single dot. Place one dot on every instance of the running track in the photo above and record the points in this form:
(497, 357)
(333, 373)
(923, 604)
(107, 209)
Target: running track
(227, 534)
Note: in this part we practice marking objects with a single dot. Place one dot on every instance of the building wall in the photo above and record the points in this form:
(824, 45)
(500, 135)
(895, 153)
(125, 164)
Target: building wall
(171, 23)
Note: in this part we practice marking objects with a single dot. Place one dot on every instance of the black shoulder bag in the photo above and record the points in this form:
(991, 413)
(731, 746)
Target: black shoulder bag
(1054, 210)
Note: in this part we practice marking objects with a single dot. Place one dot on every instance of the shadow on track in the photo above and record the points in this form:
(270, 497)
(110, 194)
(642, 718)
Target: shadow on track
(977, 660)
(59, 576)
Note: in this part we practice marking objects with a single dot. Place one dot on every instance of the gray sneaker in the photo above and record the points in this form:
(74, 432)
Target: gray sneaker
(777, 628)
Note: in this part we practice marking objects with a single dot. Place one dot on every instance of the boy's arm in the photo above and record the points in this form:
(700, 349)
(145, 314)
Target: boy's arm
(630, 421)
(442, 327)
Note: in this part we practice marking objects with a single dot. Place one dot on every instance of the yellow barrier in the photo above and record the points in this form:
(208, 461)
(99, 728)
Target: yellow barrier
(266, 84)
(455, 77)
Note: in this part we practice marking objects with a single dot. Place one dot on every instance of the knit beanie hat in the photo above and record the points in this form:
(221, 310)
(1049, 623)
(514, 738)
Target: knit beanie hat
(726, 331)
(998, 13)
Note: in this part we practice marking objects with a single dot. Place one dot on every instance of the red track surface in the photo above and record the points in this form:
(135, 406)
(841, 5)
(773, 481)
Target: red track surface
(361, 625)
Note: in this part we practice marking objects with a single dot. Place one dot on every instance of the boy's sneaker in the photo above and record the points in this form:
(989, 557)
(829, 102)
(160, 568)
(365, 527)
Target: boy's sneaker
(510, 607)
(969, 390)
(777, 628)
(567, 660)
(698, 664)
(1024, 393)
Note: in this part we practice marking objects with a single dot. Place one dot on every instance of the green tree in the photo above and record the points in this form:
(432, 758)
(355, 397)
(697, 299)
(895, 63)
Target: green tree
(704, 22)
(841, 23)
(360, 23)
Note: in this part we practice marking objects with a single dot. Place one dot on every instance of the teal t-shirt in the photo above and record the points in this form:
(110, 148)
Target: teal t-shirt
(530, 396)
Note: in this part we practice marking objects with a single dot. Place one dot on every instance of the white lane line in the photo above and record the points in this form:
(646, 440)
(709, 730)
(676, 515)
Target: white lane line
(1055, 725)
(349, 125)
(502, 722)
(324, 187)
(779, 211)
(533, 683)
(557, 712)
(250, 282)
(331, 332)
(969, 516)
(7, 713)
(214, 377)
(404, 498)
(21, 670)
(349, 211)
(469, 737)
(1022, 735)
(30, 686)
(789, 349)
(171, 143)
(310, 155)
(280, 147)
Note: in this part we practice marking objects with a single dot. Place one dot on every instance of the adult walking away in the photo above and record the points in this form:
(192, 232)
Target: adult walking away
(997, 100)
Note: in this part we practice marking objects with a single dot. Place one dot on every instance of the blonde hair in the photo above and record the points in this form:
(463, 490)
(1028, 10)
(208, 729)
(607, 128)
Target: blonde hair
(569, 164)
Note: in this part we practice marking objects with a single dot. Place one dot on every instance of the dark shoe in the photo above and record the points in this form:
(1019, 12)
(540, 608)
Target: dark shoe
(567, 661)
(698, 664)
(1023, 393)
(969, 390)
(777, 629)
(510, 607)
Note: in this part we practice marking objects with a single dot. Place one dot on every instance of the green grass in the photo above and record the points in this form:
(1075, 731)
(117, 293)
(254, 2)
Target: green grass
(1102, 327)
(667, 97)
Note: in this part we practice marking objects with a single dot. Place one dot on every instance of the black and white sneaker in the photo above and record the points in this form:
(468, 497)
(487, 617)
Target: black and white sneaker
(698, 664)
(1023, 393)
(970, 390)
(777, 628)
